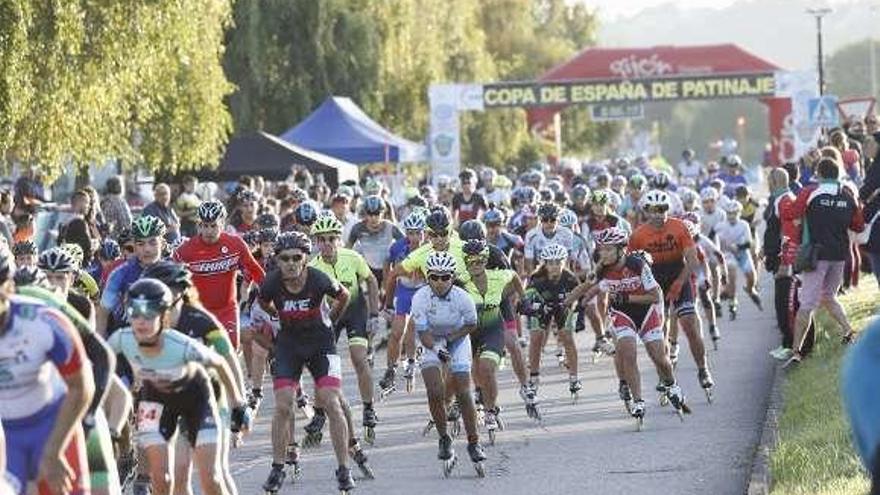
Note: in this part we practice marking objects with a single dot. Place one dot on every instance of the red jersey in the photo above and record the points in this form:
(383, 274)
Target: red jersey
(214, 268)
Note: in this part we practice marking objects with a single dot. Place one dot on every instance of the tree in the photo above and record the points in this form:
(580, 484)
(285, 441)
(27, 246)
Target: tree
(848, 70)
(84, 81)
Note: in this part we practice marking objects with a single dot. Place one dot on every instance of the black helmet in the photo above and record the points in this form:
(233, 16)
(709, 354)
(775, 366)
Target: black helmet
(211, 211)
(438, 220)
(174, 275)
(660, 181)
(29, 275)
(109, 250)
(148, 297)
(268, 220)
(124, 235)
(267, 235)
(548, 211)
(471, 229)
(545, 194)
(373, 205)
(57, 260)
(475, 247)
(22, 248)
(293, 240)
(306, 214)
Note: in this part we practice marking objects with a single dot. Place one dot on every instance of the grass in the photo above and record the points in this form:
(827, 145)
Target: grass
(815, 455)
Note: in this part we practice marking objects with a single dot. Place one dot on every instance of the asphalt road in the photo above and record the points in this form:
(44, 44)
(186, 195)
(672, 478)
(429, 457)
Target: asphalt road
(588, 447)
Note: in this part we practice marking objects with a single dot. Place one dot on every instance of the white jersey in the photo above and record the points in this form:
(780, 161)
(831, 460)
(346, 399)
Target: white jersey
(708, 221)
(690, 170)
(730, 235)
(442, 315)
(536, 240)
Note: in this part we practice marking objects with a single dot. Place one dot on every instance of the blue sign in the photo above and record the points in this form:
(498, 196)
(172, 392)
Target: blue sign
(823, 111)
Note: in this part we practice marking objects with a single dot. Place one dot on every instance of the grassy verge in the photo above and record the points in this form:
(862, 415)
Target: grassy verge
(815, 454)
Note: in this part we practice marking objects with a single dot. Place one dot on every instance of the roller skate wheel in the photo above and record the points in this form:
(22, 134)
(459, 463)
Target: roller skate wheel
(480, 469)
(410, 385)
(628, 406)
(367, 471)
(370, 435)
(448, 466)
(492, 437)
(709, 397)
(428, 428)
(664, 400)
(640, 424)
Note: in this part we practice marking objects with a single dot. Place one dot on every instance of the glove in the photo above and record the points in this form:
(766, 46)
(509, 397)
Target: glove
(240, 419)
(443, 355)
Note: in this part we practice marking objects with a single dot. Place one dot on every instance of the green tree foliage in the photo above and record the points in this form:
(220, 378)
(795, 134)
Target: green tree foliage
(286, 56)
(83, 81)
(848, 70)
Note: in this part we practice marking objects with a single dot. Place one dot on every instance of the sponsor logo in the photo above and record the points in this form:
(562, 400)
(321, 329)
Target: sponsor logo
(632, 67)
(215, 266)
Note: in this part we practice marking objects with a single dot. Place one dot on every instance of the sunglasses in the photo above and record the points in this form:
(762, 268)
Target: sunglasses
(139, 309)
(476, 259)
(548, 220)
(327, 239)
(657, 209)
(444, 278)
(287, 258)
(438, 234)
(208, 225)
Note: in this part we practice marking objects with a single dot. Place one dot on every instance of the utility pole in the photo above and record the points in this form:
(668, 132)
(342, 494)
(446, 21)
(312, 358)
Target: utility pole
(819, 13)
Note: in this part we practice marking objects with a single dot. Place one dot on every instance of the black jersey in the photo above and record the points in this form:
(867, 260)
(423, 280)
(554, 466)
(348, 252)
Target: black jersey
(81, 304)
(306, 310)
(553, 292)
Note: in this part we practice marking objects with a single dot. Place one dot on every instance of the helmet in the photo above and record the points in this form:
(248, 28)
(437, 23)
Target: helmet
(414, 221)
(567, 218)
(267, 235)
(604, 179)
(293, 240)
(148, 297)
(692, 228)
(475, 247)
(438, 220)
(554, 185)
(299, 195)
(741, 191)
(580, 191)
(618, 182)
(372, 187)
(21, 248)
(493, 216)
(374, 205)
(655, 197)
(525, 195)
(211, 211)
(614, 236)
(660, 181)
(124, 235)
(417, 201)
(471, 229)
(174, 275)
(248, 196)
(600, 197)
(709, 193)
(327, 225)
(109, 250)
(75, 250)
(57, 260)
(306, 213)
(637, 182)
(146, 226)
(440, 262)
(733, 207)
(554, 252)
(29, 275)
(267, 221)
(548, 211)
(688, 196)
(733, 161)
(691, 216)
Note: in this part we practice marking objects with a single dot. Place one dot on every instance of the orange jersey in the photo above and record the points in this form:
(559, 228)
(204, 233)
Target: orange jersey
(666, 246)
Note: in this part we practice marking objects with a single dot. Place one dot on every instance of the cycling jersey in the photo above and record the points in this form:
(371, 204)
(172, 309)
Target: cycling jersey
(537, 240)
(488, 340)
(708, 221)
(398, 251)
(666, 246)
(734, 239)
(201, 325)
(442, 315)
(351, 270)
(507, 242)
(373, 245)
(628, 319)
(468, 209)
(114, 292)
(306, 338)
(551, 293)
(416, 259)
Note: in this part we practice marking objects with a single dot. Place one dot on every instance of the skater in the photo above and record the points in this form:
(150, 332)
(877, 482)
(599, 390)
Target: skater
(296, 294)
(635, 311)
(671, 247)
(488, 289)
(444, 316)
(735, 240)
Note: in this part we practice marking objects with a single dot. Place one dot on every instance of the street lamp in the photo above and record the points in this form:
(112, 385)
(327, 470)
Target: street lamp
(818, 13)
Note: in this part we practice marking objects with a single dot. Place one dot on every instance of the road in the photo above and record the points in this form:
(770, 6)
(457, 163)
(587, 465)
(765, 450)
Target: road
(588, 447)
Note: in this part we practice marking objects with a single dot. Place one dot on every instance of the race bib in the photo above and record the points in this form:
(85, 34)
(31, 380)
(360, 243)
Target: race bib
(149, 416)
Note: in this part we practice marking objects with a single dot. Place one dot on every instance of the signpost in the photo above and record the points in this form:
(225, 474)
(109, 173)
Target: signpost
(822, 111)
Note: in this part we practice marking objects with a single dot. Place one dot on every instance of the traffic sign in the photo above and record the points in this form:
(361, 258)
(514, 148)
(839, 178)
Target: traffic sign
(823, 111)
(856, 108)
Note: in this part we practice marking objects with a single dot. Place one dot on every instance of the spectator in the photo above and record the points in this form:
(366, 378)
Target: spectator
(161, 209)
(29, 191)
(187, 205)
(828, 209)
(82, 229)
(117, 213)
(851, 159)
(7, 227)
(861, 399)
(467, 204)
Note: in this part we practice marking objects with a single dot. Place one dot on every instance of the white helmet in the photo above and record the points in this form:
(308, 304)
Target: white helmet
(567, 218)
(688, 195)
(440, 262)
(733, 207)
(554, 252)
(655, 197)
(709, 193)
(612, 236)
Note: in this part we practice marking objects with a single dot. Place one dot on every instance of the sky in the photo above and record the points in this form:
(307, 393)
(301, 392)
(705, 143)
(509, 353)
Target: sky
(612, 9)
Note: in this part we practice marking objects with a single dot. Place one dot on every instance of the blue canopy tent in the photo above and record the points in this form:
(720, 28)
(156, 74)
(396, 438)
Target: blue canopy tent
(340, 129)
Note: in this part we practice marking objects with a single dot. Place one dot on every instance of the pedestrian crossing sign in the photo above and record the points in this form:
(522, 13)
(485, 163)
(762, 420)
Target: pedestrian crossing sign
(823, 111)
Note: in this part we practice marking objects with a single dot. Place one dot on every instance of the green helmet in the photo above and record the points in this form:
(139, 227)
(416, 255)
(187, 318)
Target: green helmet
(75, 251)
(600, 197)
(146, 226)
(326, 225)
